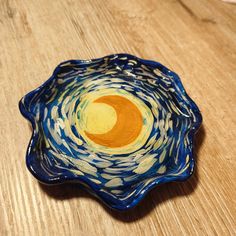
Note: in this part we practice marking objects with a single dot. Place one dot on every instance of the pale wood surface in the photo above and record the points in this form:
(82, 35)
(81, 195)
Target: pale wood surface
(197, 39)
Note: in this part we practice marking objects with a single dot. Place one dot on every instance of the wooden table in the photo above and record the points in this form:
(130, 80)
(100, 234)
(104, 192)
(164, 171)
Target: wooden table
(197, 39)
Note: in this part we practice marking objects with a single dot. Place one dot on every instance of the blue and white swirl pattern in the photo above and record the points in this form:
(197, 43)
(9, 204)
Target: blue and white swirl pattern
(118, 167)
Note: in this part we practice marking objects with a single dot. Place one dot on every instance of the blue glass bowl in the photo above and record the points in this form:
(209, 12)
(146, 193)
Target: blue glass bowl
(118, 125)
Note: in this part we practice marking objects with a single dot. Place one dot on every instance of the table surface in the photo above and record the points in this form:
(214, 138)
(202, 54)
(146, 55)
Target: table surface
(197, 39)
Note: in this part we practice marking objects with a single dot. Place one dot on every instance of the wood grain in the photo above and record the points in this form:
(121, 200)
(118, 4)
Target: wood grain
(197, 39)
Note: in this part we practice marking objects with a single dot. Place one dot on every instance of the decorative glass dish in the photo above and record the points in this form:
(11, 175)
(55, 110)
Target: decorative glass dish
(118, 125)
